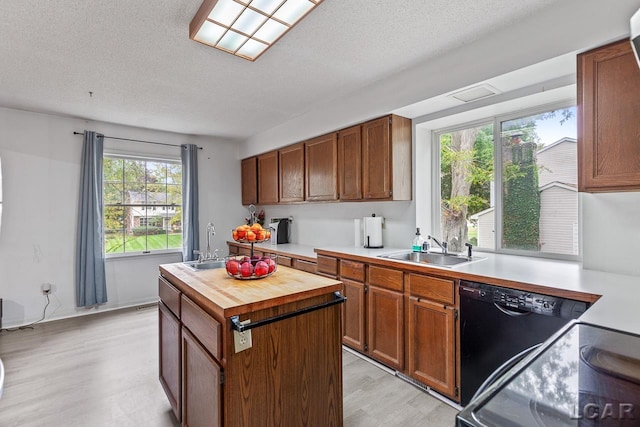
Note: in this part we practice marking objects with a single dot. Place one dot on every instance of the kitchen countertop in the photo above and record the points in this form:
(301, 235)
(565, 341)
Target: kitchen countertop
(617, 295)
(226, 296)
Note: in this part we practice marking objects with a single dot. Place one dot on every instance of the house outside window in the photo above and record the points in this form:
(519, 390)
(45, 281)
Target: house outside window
(133, 189)
(518, 195)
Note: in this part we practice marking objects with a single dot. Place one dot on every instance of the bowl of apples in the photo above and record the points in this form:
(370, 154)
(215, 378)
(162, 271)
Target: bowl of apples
(251, 233)
(246, 268)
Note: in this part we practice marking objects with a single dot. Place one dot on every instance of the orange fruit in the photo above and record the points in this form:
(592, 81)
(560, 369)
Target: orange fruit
(251, 236)
(261, 235)
(267, 234)
(256, 227)
(235, 235)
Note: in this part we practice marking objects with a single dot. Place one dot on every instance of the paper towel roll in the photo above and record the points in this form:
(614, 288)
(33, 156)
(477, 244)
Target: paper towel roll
(357, 229)
(373, 232)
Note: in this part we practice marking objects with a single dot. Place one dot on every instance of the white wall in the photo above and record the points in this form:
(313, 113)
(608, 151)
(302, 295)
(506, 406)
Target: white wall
(332, 224)
(41, 167)
(611, 232)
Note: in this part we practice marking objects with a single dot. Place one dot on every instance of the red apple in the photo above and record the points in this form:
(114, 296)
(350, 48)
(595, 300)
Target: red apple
(272, 265)
(261, 269)
(246, 269)
(246, 259)
(233, 266)
(266, 258)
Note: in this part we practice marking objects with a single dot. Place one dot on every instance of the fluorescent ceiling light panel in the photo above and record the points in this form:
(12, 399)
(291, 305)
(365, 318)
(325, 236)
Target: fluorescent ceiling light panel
(292, 10)
(246, 28)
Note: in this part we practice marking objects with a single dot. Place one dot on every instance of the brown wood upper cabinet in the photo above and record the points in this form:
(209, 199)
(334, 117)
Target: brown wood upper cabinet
(608, 126)
(292, 173)
(350, 163)
(321, 168)
(268, 178)
(249, 169)
(386, 159)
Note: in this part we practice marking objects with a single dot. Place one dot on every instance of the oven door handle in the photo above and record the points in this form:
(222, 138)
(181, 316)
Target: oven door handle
(511, 312)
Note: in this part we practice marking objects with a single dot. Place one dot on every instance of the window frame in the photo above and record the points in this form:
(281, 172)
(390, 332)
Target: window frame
(497, 120)
(146, 207)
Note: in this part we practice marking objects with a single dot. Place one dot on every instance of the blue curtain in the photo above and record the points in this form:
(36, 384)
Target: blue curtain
(91, 286)
(190, 240)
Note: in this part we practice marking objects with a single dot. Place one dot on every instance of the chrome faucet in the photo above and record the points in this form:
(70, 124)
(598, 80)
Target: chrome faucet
(211, 231)
(443, 245)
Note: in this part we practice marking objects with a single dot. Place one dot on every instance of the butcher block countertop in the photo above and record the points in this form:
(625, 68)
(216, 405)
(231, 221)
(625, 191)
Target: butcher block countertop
(222, 295)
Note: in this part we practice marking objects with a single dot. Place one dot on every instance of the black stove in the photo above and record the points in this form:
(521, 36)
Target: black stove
(586, 375)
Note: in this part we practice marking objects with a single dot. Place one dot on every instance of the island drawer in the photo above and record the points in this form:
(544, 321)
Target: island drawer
(432, 288)
(352, 270)
(204, 327)
(169, 295)
(385, 278)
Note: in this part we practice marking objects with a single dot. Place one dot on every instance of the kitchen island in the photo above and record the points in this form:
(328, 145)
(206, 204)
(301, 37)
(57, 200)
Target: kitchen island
(285, 369)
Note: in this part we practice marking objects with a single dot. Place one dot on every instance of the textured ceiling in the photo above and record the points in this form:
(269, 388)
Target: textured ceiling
(136, 58)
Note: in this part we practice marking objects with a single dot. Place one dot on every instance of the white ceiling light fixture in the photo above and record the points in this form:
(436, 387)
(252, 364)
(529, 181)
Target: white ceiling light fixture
(247, 28)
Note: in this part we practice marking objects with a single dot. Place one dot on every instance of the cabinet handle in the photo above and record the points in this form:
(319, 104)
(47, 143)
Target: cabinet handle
(237, 326)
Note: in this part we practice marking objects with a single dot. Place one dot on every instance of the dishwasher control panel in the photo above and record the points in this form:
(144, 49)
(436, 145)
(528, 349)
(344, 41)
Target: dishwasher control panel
(523, 301)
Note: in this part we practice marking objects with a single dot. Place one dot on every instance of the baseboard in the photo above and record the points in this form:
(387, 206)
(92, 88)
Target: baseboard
(145, 303)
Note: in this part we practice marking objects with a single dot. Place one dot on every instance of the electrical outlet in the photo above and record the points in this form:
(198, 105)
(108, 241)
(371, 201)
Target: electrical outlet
(242, 340)
(45, 288)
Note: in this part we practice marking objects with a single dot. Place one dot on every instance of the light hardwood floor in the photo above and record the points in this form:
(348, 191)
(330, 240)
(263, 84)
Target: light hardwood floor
(102, 370)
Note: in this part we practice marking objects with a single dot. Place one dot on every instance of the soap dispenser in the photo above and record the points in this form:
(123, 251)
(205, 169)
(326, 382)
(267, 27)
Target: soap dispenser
(417, 242)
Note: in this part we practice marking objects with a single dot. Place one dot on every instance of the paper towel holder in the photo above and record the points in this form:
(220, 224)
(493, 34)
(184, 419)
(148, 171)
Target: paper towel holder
(367, 224)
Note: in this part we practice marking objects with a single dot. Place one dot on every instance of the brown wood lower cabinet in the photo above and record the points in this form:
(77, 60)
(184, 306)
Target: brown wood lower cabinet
(353, 315)
(385, 326)
(431, 345)
(201, 385)
(373, 316)
(170, 355)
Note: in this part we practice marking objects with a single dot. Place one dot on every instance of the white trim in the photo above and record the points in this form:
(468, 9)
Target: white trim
(109, 257)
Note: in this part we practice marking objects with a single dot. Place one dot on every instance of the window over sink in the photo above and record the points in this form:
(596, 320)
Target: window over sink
(509, 183)
(142, 205)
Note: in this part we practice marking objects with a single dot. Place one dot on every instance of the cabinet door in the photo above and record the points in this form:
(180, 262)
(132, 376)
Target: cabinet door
(170, 372)
(201, 385)
(376, 159)
(350, 163)
(292, 173)
(431, 346)
(385, 311)
(249, 178)
(608, 125)
(353, 315)
(268, 178)
(321, 168)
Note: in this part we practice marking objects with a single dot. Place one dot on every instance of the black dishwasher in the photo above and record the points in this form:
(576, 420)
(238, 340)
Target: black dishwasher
(498, 323)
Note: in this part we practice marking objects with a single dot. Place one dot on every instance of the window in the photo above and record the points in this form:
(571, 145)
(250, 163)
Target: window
(133, 189)
(510, 184)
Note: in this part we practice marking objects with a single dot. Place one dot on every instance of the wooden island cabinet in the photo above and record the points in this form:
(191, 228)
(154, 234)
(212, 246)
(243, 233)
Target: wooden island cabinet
(250, 352)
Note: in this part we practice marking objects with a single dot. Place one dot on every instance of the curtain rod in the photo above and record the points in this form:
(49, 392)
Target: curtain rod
(136, 140)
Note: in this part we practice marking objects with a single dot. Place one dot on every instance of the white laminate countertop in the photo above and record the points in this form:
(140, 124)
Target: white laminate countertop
(618, 307)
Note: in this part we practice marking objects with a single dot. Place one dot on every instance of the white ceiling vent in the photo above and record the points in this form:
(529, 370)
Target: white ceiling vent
(475, 93)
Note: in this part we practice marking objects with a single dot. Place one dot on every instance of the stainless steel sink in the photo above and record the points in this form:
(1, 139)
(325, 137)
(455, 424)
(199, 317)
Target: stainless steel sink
(205, 265)
(441, 260)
